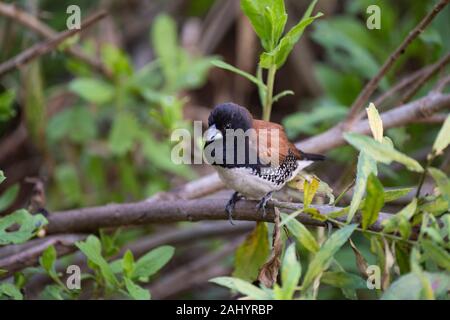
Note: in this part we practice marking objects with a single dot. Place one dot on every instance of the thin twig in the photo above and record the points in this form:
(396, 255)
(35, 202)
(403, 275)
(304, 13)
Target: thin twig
(442, 83)
(27, 254)
(372, 85)
(42, 48)
(419, 84)
(31, 22)
(415, 80)
(402, 115)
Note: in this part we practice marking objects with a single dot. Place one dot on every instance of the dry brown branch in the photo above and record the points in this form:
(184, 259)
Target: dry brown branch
(17, 257)
(402, 115)
(146, 212)
(442, 83)
(419, 84)
(31, 22)
(416, 79)
(372, 85)
(42, 48)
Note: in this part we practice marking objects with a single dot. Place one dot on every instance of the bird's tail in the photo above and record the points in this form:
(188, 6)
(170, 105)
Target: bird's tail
(313, 157)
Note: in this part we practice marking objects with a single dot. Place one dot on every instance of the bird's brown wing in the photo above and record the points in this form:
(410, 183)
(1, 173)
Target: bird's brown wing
(266, 132)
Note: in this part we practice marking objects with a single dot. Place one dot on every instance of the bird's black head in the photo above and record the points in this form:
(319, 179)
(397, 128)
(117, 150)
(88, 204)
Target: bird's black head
(230, 116)
(230, 123)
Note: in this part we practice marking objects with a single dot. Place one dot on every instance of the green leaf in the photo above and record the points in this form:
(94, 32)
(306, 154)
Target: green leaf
(400, 221)
(158, 153)
(366, 166)
(6, 105)
(124, 133)
(394, 194)
(302, 234)
(279, 55)
(116, 60)
(435, 206)
(443, 138)
(344, 53)
(52, 292)
(136, 291)
(252, 254)
(402, 257)
(381, 151)
(68, 183)
(409, 286)
(291, 271)
(92, 90)
(282, 94)
(165, 43)
(242, 286)
(8, 197)
(48, 258)
(324, 256)
(442, 182)
(128, 263)
(373, 203)
(77, 123)
(229, 67)
(268, 18)
(2, 176)
(28, 226)
(152, 262)
(10, 290)
(439, 255)
(91, 248)
(342, 279)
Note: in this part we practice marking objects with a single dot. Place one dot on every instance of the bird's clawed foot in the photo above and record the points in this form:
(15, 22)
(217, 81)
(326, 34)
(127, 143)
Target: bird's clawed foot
(231, 204)
(263, 202)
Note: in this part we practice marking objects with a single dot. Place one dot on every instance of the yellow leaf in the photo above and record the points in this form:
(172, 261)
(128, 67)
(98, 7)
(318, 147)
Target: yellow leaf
(443, 138)
(375, 123)
(310, 189)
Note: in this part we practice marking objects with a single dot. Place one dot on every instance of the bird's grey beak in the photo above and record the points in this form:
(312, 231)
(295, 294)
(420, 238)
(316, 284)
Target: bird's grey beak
(213, 134)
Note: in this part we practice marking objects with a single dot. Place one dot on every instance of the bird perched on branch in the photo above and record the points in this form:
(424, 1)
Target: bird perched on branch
(252, 157)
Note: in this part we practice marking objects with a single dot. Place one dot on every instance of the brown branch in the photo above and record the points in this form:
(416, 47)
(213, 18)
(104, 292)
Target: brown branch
(419, 84)
(27, 254)
(407, 113)
(145, 212)
(372, 85)
(31, 22)
(442, 83)
(44, 47)
(416, 80)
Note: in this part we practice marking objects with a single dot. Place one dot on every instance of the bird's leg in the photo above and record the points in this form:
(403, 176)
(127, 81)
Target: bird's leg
(231, 204)
(263, 202)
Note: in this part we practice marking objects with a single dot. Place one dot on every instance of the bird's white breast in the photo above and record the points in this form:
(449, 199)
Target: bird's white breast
(252, 186)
